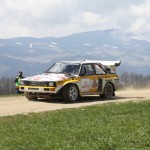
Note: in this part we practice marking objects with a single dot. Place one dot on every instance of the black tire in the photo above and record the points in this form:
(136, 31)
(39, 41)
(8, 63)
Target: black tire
(70, 93)
(101, 96)
(108, 91)
(31, 97)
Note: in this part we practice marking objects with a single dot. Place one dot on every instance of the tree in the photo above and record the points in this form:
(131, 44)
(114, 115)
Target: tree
(135, 80)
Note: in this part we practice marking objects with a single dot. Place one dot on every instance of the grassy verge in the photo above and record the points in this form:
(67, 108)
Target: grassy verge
(101, 127)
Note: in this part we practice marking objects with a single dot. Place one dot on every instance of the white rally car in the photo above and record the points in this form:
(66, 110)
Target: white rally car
(73, 79)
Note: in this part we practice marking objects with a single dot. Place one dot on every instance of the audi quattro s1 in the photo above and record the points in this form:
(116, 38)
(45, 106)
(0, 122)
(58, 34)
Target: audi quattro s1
(71, 80)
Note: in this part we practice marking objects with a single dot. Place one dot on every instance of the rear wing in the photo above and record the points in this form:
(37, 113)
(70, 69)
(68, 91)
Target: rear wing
(111, 63)
(110, 66)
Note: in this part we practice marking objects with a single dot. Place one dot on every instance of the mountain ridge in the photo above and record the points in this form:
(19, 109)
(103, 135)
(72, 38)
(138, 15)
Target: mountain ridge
(35, 55)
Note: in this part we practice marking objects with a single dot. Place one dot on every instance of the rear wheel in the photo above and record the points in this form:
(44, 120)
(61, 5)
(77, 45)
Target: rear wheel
(108, 91)
(70, 93)
(31, 97)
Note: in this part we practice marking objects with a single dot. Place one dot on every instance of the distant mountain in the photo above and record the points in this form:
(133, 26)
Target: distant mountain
(35, 55)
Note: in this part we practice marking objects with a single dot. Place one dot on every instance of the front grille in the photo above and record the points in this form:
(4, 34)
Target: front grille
(33, 89)
(35, 83)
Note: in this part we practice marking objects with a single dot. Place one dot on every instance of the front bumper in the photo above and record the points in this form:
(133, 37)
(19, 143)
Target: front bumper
(39, 89)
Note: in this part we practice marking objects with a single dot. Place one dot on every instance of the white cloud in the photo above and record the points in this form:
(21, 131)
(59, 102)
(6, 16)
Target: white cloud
(42, 18)
(140, 26)
(88, 19)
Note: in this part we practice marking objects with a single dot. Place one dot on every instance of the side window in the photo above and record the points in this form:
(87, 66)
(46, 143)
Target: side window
(98, 69)
(87, 69)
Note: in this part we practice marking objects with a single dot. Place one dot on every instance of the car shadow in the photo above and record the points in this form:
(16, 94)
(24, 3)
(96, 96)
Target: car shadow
(49, 100)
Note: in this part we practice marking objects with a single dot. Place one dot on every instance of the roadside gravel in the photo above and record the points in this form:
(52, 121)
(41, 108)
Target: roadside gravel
(20, 105)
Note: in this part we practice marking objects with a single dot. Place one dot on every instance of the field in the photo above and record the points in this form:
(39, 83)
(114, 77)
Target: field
(112, 126)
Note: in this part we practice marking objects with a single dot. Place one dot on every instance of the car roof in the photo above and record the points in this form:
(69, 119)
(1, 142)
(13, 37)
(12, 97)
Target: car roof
(106, 63)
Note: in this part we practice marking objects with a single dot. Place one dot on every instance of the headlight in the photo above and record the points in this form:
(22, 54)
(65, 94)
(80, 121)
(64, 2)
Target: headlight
(21, 82)
(52, 84)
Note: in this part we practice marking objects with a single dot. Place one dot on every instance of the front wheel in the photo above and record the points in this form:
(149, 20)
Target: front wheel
(108, 91)
(70, 93)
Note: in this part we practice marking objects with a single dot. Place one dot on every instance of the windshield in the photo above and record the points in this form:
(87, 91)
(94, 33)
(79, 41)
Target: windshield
(66, 68)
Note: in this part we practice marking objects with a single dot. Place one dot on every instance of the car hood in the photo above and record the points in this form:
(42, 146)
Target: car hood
(47, 77)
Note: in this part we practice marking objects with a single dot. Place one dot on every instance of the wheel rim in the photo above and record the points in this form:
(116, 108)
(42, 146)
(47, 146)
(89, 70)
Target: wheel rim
(73, 93)
(109, 90)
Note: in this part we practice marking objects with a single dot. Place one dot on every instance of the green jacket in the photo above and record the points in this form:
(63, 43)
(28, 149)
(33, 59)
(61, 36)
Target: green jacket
(17, 81)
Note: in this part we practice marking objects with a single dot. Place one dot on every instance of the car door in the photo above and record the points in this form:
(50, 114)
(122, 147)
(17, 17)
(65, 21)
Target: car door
(100, 75)
(89, 80)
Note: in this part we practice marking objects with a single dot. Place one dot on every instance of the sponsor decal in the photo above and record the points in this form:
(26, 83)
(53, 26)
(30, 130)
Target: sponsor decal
(85, 84)
(94, 85)
(36, 78)
(50, 77)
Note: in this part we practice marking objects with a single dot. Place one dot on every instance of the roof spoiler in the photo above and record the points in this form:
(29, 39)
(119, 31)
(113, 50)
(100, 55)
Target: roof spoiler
(111, 63)
(118, 64)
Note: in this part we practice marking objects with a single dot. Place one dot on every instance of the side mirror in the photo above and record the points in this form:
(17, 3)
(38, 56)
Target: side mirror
(108, 70)
(45, 71)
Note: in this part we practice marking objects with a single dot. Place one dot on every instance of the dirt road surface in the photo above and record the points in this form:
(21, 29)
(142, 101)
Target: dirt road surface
(20, 105)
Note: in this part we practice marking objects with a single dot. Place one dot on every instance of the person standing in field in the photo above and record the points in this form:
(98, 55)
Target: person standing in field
(17, 81)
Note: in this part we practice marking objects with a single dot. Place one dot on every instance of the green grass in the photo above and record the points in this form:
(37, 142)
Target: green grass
(101, 127)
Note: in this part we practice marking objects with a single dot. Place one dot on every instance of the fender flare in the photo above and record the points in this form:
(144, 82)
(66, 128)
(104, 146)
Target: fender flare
(68, 83)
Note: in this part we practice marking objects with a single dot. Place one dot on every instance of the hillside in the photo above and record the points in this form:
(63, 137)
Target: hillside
(35, 55)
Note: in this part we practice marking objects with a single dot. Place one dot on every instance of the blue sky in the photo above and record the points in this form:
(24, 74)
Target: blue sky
(46, 18)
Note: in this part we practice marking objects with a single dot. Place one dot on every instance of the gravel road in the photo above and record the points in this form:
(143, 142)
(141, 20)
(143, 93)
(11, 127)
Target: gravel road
(20, 105)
